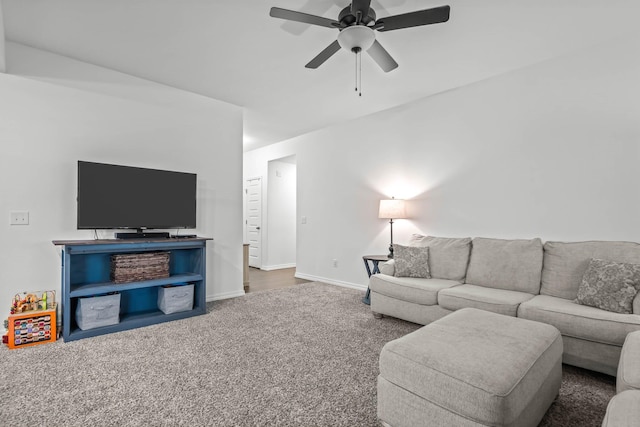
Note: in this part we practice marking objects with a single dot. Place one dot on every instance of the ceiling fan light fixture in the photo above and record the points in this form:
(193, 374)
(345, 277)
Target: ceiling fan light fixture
(356, 36)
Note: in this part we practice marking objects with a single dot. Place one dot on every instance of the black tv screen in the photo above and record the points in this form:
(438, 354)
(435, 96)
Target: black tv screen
(113, 196)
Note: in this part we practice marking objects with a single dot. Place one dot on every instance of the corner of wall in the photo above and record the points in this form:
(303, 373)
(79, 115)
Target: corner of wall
(3, 61)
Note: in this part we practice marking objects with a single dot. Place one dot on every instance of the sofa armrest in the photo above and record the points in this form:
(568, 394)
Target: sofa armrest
(388, 268)
(636, 304)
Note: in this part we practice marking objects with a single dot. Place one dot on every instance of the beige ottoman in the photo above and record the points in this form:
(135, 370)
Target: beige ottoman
(470, 368)
(628, 377)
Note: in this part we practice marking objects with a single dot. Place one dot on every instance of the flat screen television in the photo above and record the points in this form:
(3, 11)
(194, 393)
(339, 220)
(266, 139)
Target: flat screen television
(125, 197)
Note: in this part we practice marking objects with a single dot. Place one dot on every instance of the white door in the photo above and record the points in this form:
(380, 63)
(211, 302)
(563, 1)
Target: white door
(254, 221)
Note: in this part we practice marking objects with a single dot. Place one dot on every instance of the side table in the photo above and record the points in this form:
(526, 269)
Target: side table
(374, 259)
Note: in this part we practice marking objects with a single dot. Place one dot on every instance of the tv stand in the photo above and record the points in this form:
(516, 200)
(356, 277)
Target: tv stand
(86, 273)
(140, 234)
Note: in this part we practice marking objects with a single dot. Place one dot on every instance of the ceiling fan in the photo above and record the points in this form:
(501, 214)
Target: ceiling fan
(357, 23)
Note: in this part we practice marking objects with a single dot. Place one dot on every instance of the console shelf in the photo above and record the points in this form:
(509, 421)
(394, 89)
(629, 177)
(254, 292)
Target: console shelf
(90, 289)
(86, 266)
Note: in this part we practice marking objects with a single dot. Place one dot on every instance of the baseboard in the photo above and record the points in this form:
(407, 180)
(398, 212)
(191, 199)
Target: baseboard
(226, 295)
(277, 267)
(331, 281)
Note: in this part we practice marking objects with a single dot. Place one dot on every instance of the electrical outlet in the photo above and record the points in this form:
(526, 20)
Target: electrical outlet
(303, 220)
(19, 218)
(335, 263)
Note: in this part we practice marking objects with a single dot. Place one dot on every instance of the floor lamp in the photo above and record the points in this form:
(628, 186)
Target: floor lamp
(391, 209)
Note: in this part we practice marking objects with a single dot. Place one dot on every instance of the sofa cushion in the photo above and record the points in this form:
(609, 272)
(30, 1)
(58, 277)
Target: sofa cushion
(388, 267)
(418, 291)
(610, 285)
(565, 263)
(623, 410)
(411, 261)
(628, 376)
(448, 257)
(580, 321)
(489, 299)
(514, 265)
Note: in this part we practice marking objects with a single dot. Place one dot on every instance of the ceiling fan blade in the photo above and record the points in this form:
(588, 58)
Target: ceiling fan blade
(306, 18)
(313, 7)
(361, 6)
(413, 19)
(382, 57)
(324, 55)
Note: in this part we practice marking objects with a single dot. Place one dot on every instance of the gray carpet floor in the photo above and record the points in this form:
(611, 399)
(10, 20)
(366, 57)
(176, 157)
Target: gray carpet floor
(301, 356)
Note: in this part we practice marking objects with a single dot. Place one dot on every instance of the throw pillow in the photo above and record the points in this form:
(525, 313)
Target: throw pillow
(411, 261)
(609, 285)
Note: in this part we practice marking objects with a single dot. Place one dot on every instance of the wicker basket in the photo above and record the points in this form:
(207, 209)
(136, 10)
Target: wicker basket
(136, 267)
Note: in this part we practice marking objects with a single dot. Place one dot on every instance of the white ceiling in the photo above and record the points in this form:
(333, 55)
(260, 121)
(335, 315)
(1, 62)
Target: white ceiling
(233, 51)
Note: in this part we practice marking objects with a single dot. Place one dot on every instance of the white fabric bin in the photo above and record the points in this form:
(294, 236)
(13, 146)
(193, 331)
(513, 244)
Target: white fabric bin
(173, 299)
(94, 312)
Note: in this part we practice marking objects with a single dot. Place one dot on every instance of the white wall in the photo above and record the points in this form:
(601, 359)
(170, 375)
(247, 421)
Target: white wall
(550, 151)
(280, 234)
(55, 111)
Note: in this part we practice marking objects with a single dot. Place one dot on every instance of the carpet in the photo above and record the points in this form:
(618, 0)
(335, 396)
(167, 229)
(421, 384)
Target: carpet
(300, 356)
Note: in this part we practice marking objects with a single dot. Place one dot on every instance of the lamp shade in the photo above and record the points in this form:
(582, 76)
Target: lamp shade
(356, 36)
(392, 209)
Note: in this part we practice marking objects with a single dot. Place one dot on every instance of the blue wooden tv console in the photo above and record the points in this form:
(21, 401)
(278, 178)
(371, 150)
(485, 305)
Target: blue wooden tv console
(86, 266)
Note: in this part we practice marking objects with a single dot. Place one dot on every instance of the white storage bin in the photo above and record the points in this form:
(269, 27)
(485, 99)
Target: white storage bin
(94, 312)
(173, 299)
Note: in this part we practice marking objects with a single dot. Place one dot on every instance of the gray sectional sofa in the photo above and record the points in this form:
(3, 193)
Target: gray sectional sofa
(523, 278)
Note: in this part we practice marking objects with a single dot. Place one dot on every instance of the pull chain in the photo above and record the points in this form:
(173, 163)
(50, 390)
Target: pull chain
(360, 73)
(358, 53)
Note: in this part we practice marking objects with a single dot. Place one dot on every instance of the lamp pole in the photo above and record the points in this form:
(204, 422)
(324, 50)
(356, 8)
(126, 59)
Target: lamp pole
(391, 245)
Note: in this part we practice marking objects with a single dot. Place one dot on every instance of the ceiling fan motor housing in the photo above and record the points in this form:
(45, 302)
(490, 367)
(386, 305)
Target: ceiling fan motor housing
(347, 18)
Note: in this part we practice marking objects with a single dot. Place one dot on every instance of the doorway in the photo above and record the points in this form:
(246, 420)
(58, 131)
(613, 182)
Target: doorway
(280, 236)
